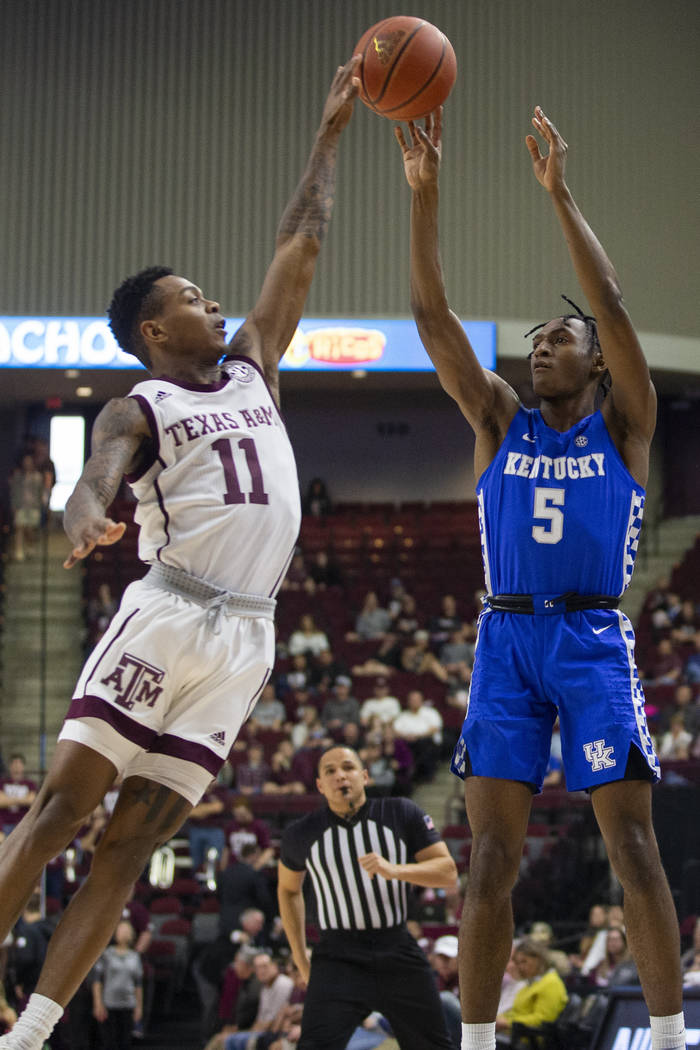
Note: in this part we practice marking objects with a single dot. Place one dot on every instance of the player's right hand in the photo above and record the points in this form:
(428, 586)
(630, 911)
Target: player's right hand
(421, 160)
(99, 532)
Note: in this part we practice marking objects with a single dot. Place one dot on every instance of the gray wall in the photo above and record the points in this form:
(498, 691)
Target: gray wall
(134, 131)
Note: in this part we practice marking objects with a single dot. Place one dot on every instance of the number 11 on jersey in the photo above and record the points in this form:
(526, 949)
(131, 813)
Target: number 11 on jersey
(233, 492)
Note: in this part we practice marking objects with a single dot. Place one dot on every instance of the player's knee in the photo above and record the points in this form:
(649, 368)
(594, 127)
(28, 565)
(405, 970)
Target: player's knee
(493, 867)
(120, 860)
(634, 855)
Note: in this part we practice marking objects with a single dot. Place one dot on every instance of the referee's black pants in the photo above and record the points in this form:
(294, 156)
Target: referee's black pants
(354, 973)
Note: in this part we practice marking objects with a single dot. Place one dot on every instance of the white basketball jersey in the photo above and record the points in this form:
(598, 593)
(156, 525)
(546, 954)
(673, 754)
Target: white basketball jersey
(219, 496)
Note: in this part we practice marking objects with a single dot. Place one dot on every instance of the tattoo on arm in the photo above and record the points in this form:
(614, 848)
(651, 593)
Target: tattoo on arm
(309, 210)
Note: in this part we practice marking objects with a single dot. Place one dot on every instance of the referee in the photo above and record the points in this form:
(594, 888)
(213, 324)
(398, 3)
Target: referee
(360, 853)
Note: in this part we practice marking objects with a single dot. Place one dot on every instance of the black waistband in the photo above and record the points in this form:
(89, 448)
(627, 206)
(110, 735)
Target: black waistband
(569, 602)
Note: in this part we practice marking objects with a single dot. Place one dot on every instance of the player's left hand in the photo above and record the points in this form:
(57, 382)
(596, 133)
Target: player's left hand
(341, 97)
(548, 169)
(375, 864)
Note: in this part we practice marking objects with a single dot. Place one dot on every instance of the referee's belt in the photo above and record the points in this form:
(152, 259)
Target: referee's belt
(548, 605)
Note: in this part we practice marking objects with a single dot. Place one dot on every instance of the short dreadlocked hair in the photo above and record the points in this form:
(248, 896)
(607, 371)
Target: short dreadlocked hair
(133, 301)
(592, 331)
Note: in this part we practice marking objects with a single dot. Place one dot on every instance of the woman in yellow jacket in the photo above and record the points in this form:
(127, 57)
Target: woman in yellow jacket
(543, 997)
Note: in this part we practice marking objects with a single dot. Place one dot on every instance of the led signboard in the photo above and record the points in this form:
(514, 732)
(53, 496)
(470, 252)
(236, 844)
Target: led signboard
(319, 344)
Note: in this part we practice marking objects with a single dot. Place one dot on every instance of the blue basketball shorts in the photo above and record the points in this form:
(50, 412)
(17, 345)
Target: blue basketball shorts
(528, 670)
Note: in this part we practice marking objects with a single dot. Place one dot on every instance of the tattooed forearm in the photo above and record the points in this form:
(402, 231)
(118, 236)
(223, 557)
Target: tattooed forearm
(309, 210)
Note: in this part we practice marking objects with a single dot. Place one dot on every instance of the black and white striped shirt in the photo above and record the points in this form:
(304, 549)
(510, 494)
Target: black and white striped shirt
(327, 846)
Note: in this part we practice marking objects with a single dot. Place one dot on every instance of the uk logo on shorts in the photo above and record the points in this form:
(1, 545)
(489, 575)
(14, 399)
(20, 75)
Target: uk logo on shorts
(135, 682)
(599, 756)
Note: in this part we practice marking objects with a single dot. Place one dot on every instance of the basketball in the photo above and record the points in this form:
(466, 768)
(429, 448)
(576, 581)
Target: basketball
(408, 67)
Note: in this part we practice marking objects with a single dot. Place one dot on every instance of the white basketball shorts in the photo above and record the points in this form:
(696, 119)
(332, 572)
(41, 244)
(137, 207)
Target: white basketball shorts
(163, 695)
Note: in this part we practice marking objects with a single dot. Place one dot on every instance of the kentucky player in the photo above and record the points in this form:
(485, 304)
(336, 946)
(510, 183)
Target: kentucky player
(164, 694)
(560, 494)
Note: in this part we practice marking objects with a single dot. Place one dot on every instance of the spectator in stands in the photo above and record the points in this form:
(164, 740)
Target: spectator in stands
(299, 674)
(317, 502)
(204, 828)
(46, 467)
(341, 707)
(685, 623)
(30, 939)
(544, 995)
(691, 670)
(89, 836)
(618, 966)
(17, 792)
(554, 773)
(325, 572)
(137, 914)
(117, 988)
(511, 983)
(8, 1016)
(308, 726)
(418, 658)
(351, 735)
(308, 638)
(245, 828)
(446, 622)
(420, 725)
(27, 503)
(382, 777)
(243, 886)
(405, 621)
(382, 703)
(284, 778)
(326, 667)
(209, 968)
(269, 712)
(666, 666)
(443, 959)
(100, 611)
(399, 754)
(372, 622)
(275, 993)
(542, 933)
(255, 773)
(687, 704)
(592, 945)
(240, 994)
(298, 577)
(676, 741)
(457, 654)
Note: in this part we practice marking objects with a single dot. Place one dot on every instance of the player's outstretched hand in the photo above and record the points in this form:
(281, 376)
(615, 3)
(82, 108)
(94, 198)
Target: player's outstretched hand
(341, 97)
(421, 160)
(375, 864)
(100, 532)
(548, 169)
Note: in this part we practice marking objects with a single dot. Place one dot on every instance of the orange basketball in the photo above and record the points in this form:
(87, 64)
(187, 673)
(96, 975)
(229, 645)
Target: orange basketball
(408, 67)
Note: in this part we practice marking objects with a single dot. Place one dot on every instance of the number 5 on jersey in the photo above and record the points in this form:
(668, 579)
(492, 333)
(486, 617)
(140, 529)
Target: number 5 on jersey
(233, 492)
(547, 504)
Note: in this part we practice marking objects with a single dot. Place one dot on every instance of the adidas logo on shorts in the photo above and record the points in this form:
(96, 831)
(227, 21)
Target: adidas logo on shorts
(218, 738)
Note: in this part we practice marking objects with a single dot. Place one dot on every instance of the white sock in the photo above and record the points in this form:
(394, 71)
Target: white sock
(479, 1036)
(36, 1024)
(668, 1033)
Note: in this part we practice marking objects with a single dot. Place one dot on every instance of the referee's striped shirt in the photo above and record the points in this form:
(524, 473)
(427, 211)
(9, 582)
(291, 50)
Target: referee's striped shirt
(327, 847)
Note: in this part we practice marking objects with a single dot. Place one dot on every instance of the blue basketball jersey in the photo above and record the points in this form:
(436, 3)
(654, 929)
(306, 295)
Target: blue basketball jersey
(558, 512)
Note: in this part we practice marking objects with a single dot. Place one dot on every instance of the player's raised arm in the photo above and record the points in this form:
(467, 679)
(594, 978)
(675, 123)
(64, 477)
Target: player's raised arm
(269, 327)
(487, 401)
(632, 402)
(118, 434)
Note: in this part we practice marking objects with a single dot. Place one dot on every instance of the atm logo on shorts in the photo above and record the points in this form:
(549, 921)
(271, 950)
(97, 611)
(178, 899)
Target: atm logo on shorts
(135, 682)
(599, 756)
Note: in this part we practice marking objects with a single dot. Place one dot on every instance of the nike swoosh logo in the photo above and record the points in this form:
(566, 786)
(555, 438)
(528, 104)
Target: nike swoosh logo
(599, 630)
(526, 437)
